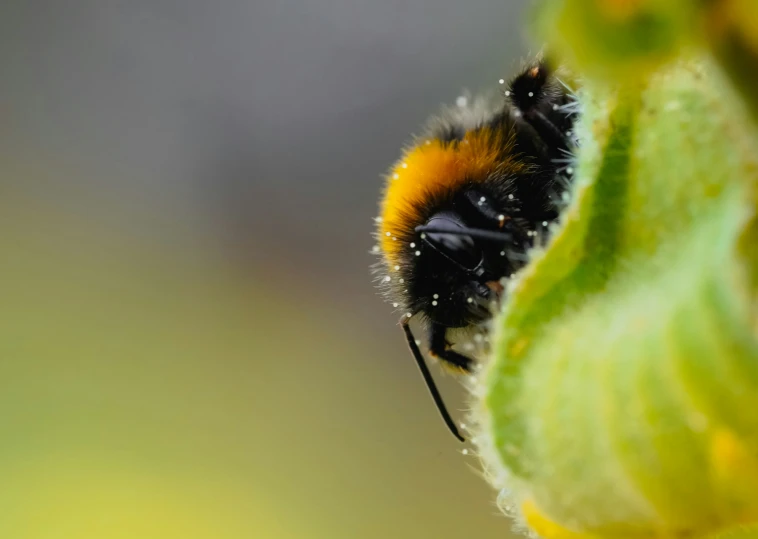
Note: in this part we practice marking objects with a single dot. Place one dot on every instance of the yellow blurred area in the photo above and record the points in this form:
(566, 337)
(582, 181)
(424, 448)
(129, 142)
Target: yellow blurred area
(126, 409)
(82, 495)
(154, 389)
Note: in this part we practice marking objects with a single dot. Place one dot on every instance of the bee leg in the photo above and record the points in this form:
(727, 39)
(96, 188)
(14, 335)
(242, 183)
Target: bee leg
(440, 349)
(429, 380)
(529, 93)
(528, 87)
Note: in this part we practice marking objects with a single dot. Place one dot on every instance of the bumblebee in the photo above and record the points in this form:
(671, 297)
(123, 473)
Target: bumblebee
(466, 202)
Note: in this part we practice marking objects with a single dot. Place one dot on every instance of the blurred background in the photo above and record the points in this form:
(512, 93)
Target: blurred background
(190, 342)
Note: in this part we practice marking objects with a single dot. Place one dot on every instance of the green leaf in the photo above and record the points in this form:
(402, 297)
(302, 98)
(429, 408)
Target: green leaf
(622, 396)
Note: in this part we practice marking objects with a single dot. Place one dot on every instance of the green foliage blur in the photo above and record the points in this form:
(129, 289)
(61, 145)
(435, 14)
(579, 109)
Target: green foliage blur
(620, 400)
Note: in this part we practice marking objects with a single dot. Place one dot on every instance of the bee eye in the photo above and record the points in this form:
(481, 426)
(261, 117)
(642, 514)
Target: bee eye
(458, 247)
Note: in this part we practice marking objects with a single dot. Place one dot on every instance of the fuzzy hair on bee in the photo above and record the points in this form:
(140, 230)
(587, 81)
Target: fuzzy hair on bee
(465, 203)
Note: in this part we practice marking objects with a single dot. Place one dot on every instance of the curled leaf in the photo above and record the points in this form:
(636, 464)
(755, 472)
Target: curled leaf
(622, 396)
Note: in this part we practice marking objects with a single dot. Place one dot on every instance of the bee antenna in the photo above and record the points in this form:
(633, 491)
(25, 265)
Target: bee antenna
(428, 378)
(478, 233)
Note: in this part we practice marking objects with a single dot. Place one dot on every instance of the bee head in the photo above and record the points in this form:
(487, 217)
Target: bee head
(456, 271)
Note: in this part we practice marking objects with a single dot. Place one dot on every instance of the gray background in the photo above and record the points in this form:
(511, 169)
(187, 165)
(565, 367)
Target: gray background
(248, 115)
